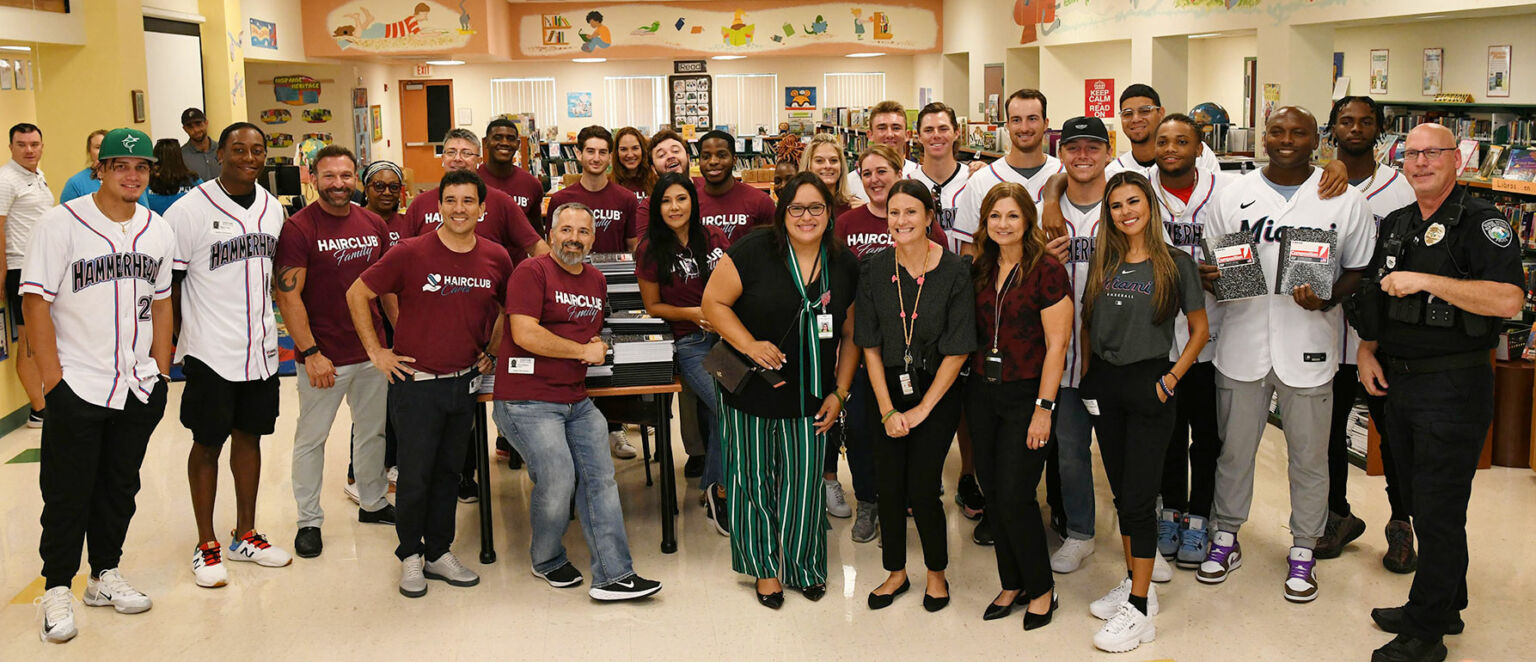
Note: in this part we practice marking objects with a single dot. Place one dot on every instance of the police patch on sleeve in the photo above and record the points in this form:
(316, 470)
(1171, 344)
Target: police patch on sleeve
(1497, 231)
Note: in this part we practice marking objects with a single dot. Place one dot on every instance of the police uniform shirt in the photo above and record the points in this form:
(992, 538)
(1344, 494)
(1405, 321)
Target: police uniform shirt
(1183, 228)
(1481, 245)
(1272, 331)
(1386, 191)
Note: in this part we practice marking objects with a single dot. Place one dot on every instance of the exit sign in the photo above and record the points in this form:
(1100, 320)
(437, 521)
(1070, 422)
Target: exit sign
(422, 70)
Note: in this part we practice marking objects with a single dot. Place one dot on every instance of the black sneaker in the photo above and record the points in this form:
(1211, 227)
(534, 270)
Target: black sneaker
(1339, 531)
(515, 460)
(968, 496)
(564, 576)
(983, 533)
(628, 588)
(307, 544)
(1393, 620)
(385, 515)
(1404, 648)
(503, 448)
(717, 510)
(469, 490)
(35, 418)
(694, 467)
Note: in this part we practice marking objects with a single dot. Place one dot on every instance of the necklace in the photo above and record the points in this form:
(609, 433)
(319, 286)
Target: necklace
(909, 323)
(1164, 199)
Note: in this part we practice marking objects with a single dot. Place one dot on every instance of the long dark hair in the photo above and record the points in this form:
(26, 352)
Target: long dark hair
(661, 244)
(781, 214)
(1111, 246)
(987, 250)
(170, 173)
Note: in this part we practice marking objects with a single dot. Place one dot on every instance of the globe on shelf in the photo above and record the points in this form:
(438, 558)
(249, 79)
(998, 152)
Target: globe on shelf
(1209, 113)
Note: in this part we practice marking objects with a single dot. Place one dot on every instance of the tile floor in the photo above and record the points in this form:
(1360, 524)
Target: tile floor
(344, 605)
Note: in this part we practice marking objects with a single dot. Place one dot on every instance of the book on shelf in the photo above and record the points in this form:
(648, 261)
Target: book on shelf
(1491, 162)
(1522, 164)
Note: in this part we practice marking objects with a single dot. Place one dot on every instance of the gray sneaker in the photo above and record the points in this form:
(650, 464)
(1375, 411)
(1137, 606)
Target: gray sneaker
(867, 525)
(412, 583)
(447, 568)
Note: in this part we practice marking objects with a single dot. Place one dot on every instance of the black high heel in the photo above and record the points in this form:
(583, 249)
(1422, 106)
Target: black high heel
(814, 592)
(1033, 620)
(877, 601)
(995, 611)
(933, 603)
(772, 600)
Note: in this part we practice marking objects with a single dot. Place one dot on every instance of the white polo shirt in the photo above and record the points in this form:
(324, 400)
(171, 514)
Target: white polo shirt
(853, 185)
(1271, 331)
(226, 301)
(101, 278)
(24, 196)
(1184, 227)
(1386, 191)
(949, 196)
(1082, 226)
(968, 207)
(1205, 162)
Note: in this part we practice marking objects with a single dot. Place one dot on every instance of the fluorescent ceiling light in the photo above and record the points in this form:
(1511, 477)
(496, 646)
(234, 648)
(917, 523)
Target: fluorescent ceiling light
(865, 54)
(23, 49)
(1205, 35)
(727, 57)
(589, 59)
(445, 63)
(1431, 17)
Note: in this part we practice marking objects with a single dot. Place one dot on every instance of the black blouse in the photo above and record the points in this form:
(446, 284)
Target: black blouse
(946, 315)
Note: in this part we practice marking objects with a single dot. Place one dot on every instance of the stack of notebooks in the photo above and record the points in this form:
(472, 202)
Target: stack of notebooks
(1306, 258)
(641, 345)
(623, 288)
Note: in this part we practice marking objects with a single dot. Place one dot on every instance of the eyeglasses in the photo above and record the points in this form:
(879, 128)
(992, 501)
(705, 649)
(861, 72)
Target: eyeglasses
(1144, 111)
(1430, 153)
(816, 209)
(460, 153)
(381, 187)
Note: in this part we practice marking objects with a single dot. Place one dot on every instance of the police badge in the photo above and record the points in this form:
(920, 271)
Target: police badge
(1434, 234)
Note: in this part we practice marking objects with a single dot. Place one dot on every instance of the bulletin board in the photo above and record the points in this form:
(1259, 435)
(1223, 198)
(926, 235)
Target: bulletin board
(692, 101)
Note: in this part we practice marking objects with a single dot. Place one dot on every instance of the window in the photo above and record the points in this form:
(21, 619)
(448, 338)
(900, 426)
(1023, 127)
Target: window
(525, 95)
(748, 102)
(853, 90)
(637, 101)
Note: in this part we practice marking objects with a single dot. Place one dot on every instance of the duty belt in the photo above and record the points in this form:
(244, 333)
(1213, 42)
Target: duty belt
(1435, 363)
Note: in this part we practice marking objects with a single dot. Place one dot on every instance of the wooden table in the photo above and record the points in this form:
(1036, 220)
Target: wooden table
(661, 398)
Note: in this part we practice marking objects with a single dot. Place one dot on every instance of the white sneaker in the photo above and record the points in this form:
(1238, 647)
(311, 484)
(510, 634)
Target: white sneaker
(837, 504)
(1105, 607)
(255, 548)
(208, 566)
(1070, 557)
(110, 589)
(56, 615)
(1128, 629)
(351, 490)
(618, 441)
(1161, 571)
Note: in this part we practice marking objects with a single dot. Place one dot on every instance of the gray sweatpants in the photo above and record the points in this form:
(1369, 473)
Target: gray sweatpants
(1242, 413)
(365, 390)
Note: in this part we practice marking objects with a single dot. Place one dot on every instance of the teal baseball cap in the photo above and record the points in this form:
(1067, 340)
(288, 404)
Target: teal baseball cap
(130, 143)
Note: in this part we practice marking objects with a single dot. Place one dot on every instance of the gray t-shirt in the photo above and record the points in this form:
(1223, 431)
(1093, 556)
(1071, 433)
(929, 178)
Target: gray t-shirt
(1028, 173)
(1286, 192)
(946, 315)
(1122, 328)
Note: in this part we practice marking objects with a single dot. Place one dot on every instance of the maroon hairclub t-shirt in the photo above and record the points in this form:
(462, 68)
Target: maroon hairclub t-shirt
(686, 288)
(864, 233)
(448, 301)
(736, 213)
(333, 251)
(502, 222)
(565, 304)
(399, 228)
(614, 212)
(525, 190)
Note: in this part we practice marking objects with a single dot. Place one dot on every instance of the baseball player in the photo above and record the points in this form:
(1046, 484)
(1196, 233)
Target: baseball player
(226, 237)
(937, 130)
(1141, 113)
(1026, 163)
(1281, 344)
(323, 248)
(887, 126)
(500, 172)
(24, 196)
(97, 283)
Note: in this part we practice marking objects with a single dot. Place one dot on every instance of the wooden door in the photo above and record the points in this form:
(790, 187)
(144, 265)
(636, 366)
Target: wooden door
(992, 83)
(426, 114)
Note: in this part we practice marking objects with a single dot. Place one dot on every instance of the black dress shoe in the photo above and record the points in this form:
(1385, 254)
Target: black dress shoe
(694, 467)
(772, 600)
(385, 515)
(307, 543)
(514, 459)
(814, 592)
(995, 611)
(932, 603)
(1394, 621)
(1033, 620)
(1405, 648)
(983, 533)
(878, 601)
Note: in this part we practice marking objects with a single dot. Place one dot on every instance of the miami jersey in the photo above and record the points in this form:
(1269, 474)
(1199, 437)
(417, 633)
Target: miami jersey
(1183, 228)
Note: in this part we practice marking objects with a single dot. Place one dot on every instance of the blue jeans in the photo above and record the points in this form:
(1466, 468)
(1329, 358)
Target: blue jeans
(691, 350)
(566, 448)
(1074, 433)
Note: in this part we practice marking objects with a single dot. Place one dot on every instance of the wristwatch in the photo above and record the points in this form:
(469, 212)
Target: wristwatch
(313, 350)
(1048, 405)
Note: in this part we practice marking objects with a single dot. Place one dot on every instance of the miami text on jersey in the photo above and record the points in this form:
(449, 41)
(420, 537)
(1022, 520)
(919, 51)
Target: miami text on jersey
(244, 247)
(115, 266)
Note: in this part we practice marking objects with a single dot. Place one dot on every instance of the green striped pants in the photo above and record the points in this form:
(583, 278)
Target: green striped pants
(775, 498)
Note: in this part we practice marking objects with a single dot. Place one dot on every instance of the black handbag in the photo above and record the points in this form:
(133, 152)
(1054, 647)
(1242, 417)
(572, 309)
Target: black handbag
(730, 369)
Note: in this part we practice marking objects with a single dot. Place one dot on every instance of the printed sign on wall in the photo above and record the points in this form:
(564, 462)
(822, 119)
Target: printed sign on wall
(1099, 97)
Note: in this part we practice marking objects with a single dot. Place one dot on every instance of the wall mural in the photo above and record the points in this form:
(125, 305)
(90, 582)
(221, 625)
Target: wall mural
(1042, 18)
(390, 26)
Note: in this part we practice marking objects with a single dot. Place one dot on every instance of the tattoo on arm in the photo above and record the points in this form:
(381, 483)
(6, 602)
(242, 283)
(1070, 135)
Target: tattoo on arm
(287, 278)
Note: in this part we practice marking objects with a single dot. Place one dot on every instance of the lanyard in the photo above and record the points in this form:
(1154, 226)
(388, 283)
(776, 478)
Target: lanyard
(909, 324)
(997, 306)
(809, 355)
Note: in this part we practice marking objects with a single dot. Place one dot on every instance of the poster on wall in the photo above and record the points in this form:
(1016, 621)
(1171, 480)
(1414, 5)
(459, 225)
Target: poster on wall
(263, 34)
(578, 105)
(361, 132)
(1271, 99)
(799, 98)
(1434, 70)
(359, 97)
(692, 102)
(296, 90)
(1379, 70)
(378, 126)
(1099, 97)
(5, 74)
(1498, 71)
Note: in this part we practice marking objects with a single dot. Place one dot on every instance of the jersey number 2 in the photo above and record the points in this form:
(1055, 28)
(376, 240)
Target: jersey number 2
(144, 303)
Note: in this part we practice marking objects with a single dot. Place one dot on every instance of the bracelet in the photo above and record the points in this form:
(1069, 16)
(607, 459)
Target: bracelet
(887, 416)
(1164, 387)
(842, 400)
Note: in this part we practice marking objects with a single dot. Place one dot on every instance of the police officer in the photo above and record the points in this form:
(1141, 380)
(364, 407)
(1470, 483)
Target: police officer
(1447, 269)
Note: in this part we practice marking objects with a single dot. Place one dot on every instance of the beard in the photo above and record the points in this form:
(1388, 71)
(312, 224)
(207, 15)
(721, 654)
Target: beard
(571, 254)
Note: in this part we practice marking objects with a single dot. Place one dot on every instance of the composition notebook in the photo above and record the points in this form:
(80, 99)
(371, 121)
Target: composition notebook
(1307, 258)
(1242, 277)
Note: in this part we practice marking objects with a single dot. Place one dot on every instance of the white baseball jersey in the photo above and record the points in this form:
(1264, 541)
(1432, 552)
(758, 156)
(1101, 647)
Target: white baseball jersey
(1205, 162)
(1386, 191)
(226, 305)
(853, 185)
(24, 196)
(101, 278)
(1082, 227)
(949, 195)
(968, 207)
(1271, 331)
(1183, 227)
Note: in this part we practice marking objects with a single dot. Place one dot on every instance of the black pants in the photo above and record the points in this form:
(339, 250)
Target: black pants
(1009, 471)
(432, 419)
(89, 477)
(1437, 423)
(1346, 386)
(1133, 427)
(1189, 467)
(907, 471)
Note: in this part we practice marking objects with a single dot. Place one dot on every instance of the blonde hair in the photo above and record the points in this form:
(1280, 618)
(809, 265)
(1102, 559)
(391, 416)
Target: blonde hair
(839, 196)
(883, 151)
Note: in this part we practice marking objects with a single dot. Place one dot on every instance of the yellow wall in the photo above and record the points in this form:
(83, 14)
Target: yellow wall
(19, 105)
(1466, 45)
